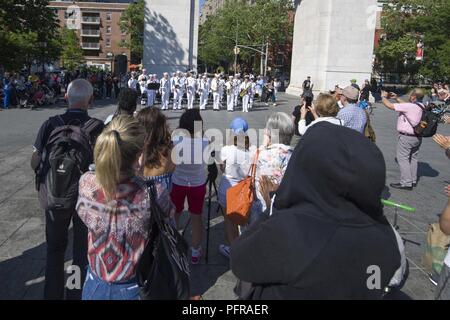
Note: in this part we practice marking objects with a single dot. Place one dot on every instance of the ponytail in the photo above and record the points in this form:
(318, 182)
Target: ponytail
(115, 152)
(108, 162)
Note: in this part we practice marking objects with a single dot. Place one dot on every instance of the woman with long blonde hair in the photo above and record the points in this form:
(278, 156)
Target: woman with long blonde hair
(114, 205)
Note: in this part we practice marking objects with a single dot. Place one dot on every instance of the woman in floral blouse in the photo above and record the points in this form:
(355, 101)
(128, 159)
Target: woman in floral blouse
(273, 158)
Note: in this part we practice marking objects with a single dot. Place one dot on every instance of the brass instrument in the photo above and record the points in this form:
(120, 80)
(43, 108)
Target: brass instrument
(244, 92)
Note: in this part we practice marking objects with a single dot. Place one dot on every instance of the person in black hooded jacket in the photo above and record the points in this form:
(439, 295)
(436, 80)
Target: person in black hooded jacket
(326, 232)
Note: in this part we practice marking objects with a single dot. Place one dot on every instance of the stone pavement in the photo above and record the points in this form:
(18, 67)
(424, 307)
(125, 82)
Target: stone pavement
(22, 233)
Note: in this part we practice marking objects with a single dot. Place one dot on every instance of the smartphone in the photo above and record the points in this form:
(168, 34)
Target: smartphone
(308, 101)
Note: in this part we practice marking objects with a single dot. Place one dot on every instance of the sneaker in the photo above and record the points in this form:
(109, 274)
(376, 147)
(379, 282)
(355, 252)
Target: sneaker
(225, 251)
(196, 254)
(399, 186)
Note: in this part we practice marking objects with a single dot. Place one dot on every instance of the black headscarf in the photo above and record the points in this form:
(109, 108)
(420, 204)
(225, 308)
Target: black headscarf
(327, 224)
(337, 174)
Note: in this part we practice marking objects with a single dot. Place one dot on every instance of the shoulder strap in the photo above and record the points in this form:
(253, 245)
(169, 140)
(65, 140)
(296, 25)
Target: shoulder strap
(91, 125)
(57, 121)
(420, 105)
(252, 171)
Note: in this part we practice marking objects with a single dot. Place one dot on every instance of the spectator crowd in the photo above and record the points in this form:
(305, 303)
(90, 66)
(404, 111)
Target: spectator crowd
(311, 209)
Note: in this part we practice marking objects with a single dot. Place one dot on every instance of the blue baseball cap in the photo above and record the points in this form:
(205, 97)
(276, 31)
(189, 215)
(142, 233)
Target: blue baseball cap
(239, 126)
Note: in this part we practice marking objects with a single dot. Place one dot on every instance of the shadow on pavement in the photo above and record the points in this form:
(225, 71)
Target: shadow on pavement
(20, 276)
(425, 170)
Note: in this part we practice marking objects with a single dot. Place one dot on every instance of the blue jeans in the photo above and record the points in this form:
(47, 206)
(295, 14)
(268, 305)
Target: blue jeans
(98, 289)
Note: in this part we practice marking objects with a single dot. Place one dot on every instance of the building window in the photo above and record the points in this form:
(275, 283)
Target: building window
(108, 29)
(108, 42)
(108, 16)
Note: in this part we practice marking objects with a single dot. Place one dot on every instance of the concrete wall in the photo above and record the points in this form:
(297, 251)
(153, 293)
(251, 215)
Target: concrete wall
(333, 43)
(171, 35)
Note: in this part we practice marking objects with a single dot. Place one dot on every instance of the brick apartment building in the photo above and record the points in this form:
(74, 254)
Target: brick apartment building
(97, 27)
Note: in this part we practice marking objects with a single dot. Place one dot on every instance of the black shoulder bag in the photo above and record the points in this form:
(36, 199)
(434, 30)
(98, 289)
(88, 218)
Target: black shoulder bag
(163, 270)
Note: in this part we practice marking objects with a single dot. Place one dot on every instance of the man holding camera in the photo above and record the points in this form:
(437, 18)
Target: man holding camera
(409, 116)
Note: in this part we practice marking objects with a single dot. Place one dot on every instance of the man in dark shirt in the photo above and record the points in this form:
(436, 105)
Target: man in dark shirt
(307, 88)
(80, 96)
(296, 118)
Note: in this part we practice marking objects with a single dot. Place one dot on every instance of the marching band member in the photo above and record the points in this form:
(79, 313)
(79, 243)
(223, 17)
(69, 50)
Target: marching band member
(236, 85)
(143, 78)
(221, 88)
(252, 92)
(276, 87)
(156, 81)
(176, 89)
(182, 83)
(245, 90)
(151, 92)
(215, 88)
(204, 92)
(133, 82)
(230, 94)
(164, 90)
(172, 86)
(191, 84)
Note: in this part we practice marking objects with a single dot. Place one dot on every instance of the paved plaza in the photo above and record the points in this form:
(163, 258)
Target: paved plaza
(22, 232)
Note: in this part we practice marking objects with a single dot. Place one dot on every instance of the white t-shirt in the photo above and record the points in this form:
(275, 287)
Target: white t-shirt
(237, 162)
(188, 156)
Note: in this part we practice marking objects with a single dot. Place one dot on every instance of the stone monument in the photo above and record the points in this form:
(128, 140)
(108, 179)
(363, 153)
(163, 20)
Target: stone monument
(333, 43)
(170, 35)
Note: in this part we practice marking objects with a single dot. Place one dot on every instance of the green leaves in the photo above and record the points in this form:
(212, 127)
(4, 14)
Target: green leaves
(406, 22)
(72, 53)
(132, 22)
(29, 32)
(252, 24)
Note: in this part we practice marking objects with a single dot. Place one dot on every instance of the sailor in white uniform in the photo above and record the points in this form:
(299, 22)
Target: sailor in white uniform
(215, 89)
(176, 89)
(236, 85)
(203, 90)
(164, 90)
(230, 94)
(245, 89)
(132, 83)
(143, 78)
(191, 87)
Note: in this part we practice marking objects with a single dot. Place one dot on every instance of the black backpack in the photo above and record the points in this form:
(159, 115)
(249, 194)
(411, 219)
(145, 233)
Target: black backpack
(428, 124)
(163, 269)
(67, 155)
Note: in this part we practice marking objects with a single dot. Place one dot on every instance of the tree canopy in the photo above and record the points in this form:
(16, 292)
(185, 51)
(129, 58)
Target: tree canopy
(252, 24)
(406, 23)
(132, 22)
(72, 53)
(29, 32)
